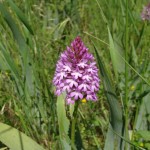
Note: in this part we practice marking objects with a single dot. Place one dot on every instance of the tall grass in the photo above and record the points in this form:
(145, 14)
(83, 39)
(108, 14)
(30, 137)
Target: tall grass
(34, 33)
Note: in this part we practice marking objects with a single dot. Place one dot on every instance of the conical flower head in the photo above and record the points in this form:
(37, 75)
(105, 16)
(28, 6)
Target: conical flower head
(76, 73)
(145, 15)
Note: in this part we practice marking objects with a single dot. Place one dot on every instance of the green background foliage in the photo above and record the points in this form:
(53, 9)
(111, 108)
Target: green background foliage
(34, 33)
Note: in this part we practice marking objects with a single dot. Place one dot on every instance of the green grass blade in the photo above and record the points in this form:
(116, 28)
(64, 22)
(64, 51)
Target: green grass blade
(115, 108)
(116, 113)
(3, 65)
(118, 64)
(142, 118)
(109, 142)
(16, 140)
(11, 23)
(12, 67)
(20, 15)
(9, 62)
(59, 29)
(132, 144)
(63, 122)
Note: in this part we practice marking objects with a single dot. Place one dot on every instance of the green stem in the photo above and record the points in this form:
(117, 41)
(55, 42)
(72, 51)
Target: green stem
(126, 76)
(73, 125)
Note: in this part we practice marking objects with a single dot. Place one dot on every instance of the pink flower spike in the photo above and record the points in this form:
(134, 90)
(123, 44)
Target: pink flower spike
(62, 75)
(87, 77)
(76, 73)
(93, 88)
(58, 92)
(62, 84)
(82, 64)
(89, 97)
(145, 15)
(72, 82)
(69, 101)
(91, 70)
(66, 88)
(76, 95)
(84, 87)
(56, 81)
(67, 68)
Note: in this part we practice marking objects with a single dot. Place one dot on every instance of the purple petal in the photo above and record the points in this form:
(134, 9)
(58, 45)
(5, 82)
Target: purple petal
(76, 95)
(69, 101)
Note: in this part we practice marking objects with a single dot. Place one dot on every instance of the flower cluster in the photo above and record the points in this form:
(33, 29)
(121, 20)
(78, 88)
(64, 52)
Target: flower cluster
(76, 73)
(145, 15)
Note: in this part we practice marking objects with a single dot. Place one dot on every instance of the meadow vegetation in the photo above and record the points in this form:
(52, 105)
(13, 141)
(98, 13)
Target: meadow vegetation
(33, 34)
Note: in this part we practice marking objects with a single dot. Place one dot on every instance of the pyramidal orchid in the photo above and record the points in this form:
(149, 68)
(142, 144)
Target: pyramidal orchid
(76, 73)
(145, 15)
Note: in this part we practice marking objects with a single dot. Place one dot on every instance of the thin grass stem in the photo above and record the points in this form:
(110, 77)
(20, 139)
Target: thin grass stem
(73, 125)
(126, 75)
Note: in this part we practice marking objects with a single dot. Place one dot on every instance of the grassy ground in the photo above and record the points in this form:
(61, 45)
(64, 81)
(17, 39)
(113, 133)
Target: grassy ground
(34, 33)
